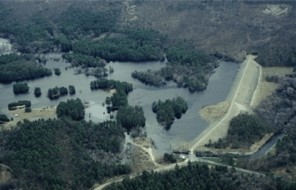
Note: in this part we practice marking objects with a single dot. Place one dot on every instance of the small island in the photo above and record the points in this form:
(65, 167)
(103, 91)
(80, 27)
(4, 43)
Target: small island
(21, 88)
(167, 111)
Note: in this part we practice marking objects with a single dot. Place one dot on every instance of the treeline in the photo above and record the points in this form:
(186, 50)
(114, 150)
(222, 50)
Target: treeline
(56, 92)
(167, 111)
(149, 78)
(244, 130)
(105, 84)
(84, 61)
(129, 45)
(197, 176)
(18, 67)
(72, 108)
(62, 154)
(75, 21)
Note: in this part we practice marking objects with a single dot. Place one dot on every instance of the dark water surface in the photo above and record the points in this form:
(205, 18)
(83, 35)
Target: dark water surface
(182, 131)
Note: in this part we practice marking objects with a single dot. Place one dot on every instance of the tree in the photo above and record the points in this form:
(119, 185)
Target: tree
(57, 71)
(169, 158)
(21, 88)
(119, 99)
(244, 130)
(72, 90)
(63, 91)
(4, 118)
(72, 108)
(37, 92)
(131, 117)
(40, 152)
(168, 110)
(53, 93)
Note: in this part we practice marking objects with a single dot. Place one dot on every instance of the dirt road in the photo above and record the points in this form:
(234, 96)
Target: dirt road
(241, 98)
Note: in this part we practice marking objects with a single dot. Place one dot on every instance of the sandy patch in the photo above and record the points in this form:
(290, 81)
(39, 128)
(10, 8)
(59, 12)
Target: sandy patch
(112, 91)
(20, 115)
(141, 160)
(144, 142)
(276, 10)
(265, 88)
(214, 113)
(257, 145)
(5, 174)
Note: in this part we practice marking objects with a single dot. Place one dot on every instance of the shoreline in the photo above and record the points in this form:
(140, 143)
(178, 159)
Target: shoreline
(218, 121)
(20, 115)
(239, 96)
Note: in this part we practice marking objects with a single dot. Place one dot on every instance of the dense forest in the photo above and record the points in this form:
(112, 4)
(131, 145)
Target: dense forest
(167, 111)
(278, 111)
(195, 176)
(61, 154)
(37, 33)
(20, 67)
(82, 60)
(244, 130)
(128, 45)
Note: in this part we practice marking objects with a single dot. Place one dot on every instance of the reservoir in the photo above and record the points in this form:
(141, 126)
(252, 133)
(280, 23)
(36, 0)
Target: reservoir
(191, 124)
(182, 131)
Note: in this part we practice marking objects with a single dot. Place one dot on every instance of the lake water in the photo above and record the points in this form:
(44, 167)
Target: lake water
(182, 131)
(191, 124)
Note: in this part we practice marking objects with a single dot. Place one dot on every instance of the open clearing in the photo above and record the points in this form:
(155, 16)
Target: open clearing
(20, 115)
